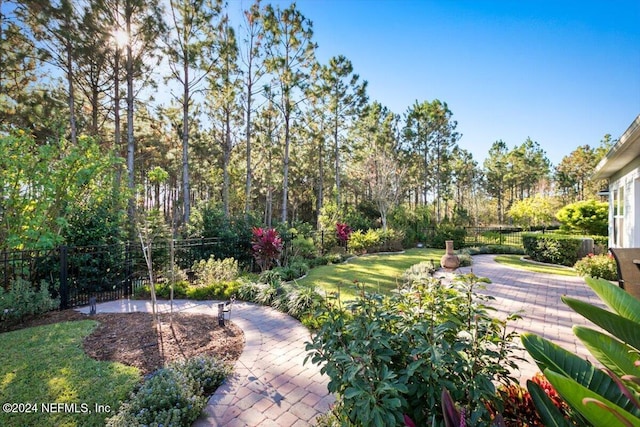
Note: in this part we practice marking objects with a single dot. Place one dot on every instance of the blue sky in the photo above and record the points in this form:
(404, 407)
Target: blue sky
(564, 73)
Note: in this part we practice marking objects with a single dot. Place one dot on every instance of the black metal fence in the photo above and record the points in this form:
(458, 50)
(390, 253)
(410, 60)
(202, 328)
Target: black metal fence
(75, 274)
(474, 236)
(511, 236)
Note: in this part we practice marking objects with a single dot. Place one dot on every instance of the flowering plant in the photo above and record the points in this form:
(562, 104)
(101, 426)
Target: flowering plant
(343, 232)
(599, 266)
(266, 245)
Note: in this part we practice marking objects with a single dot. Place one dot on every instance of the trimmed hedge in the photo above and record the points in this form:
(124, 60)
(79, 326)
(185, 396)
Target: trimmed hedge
(552, 248)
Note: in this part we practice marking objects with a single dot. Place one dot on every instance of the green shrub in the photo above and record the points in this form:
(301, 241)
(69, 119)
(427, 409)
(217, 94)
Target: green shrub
(495, 249)
(303, 247)
(293, 271)
(552, 248)
(204, 373)
(412, 222)
(217, 290)
(318, 261)
(163, 291)
(598, 267)
(585, 217)
(173, 396)
(375, 240)
(391, 356)
(23, 299)
(214, 270)
(363, 241)
(166, 398)
(208, 220)
(438, 235)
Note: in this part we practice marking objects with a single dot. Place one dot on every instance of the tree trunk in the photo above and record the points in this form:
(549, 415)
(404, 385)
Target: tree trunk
(247, 202)
(116, 118)
(226, 160)
(320, 200)
(130, 140)
(285, 175)
(72, 106)
(185, 146)
(336, 145)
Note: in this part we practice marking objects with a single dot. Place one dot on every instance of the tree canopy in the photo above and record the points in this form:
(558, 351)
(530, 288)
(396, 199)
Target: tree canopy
(256, 125)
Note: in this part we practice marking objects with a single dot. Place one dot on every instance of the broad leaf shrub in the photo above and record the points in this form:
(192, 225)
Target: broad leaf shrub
(598, 397)
(343, 232)
(267, 246)
(585, 217)
(375, 240)
(173, 396)
(552, 248)
(295, 270)
(597, 266)
(214, 270)
(23, 300)
(388, 357)
(303, 248)
(437, 236)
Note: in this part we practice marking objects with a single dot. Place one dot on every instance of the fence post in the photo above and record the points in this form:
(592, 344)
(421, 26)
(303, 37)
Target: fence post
(64, 276)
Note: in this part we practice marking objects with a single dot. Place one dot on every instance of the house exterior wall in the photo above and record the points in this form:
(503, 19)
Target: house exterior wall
(624, 206)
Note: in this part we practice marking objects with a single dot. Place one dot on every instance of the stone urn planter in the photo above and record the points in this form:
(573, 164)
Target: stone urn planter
(449, 260)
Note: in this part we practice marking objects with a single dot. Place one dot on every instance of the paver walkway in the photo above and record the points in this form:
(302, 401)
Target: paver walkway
(537, 297)
(271, 387)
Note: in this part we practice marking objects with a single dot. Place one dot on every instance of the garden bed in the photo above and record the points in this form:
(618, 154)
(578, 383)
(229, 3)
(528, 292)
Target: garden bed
(131, 339)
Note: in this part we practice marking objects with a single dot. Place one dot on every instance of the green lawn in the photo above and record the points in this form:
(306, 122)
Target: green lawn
(46, 364)
(378, 273)
(515, 261)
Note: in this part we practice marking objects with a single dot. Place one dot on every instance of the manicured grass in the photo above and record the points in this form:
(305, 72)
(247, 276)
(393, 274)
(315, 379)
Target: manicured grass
(515, 261)
(46, 364)
(378, 273)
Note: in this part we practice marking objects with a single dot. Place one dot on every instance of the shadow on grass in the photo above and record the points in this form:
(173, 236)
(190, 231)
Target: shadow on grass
(46, 367)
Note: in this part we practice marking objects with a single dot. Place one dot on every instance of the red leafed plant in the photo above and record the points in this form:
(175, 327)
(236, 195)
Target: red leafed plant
(266, 245)
(519, 410)
(343, 231)
(551, 392)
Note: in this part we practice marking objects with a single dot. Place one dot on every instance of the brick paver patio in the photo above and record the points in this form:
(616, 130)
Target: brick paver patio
(537, 297)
